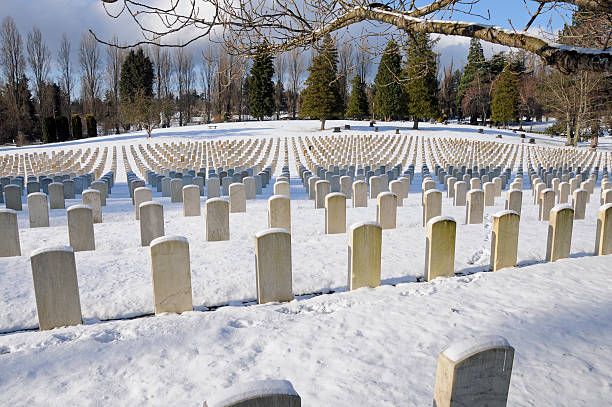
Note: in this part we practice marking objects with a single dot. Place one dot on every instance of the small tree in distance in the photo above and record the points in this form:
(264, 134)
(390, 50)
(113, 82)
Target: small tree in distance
(261, 87)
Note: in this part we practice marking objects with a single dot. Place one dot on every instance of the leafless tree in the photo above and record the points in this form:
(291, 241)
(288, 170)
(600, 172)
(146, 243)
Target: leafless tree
(89, 59)
(12, 62)
(184, 80)
(345, 70)
(362, 60)
(114, 61)
(296, 69)
(286, 25)
(39, 58)
(280, 66)
(65, 71)
(208, 74)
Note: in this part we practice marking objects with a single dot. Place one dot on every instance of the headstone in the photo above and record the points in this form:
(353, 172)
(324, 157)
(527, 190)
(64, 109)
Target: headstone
(151, 222)
(9, 234)
(273, 266)
(603, 237)
(514, 200)
(38, 210)
(386, 210)
(564, 190)
(450, 187)
(12, 197)
(460, 194)
(225, 183)
(250, 186)
(312, 181)
(279, 212)
(360, 194)
(91, 198)
(474, 183)
(171, 270)
(56, 287)
(375, 186)
(504, 239)
(141, 195)
(489, 193)
(282, 188)
(364, 253)
(176, 190)
(212, 188)
(579, 202)
(68, 189)
(346, 186)
(56, 196)
(474, 373)
(322, 188)
(191, 200)
(475, 207)
(335, 213)
(262, 393)
(432, 205)
(560, 226)
(237, 198)
(397, 187)
(102, 187)
(80, 228)
(440, 247)
(217, 220)
(546, 203)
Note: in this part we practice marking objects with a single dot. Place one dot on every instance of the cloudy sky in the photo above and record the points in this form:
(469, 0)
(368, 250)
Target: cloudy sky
(74, 17)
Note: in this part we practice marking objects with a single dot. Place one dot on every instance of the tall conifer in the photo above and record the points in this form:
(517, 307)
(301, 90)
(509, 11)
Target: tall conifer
(388, 97)
(261, 86)
(422, 79)
(358, 107)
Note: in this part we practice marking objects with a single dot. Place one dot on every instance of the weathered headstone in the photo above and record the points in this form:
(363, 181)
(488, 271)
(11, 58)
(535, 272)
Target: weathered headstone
(279, 212)
(217, 220)
(176, 190)
(579, 202)
(335, 213)
(213, 188)
(432, 205)
(364, 254)
(560, 227)
(386, 210)
(56, 287)
(460, 198)
(273, 266)
(151, 222)
(237, 197)
(514, 200)
(56, 196)
(504, 239)
(80, 228)
(360, 194)
(38, 210)
(9, 234)
(191, 200)
(474, 210)
(141, 194)
(440, 247)
(322, 188)
(171, 270)
(474, 373)
(546, 203)
(603, 238)
(262, 393)
(282, 188)
(91, 198)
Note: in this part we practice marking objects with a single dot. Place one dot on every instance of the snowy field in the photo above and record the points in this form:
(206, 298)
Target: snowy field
(367, 347)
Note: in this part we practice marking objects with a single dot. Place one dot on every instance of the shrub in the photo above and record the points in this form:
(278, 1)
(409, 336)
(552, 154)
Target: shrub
(77, 127)
(62, 127)
(92, 126)
(48, 130)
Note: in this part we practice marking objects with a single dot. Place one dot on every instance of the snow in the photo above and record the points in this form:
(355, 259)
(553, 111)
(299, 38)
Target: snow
(372, 346)
(249, 390)
(468, 347)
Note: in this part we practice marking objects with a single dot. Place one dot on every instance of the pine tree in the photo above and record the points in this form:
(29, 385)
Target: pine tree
(136, 75)
(77, 127)
(261, 86)
(358, 107)
(474, 66)
(421, 75)
(504, 106)
(321, 98)
(389, 95)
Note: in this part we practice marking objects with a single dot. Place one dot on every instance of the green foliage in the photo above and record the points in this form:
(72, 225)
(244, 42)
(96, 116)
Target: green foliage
(421, 74)
(321, 98)
(136, 75)
(77, 127)
(62, 127)
(389, 95)
(358, 107)
(261, 87)
(49, 134)
(504, 106)
(92, 126)
(474, 66)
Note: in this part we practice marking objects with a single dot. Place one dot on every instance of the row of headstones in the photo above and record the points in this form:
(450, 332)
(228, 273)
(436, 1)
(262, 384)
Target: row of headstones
(60, 188)
(171, 184)
(474, 372)
(56, 286)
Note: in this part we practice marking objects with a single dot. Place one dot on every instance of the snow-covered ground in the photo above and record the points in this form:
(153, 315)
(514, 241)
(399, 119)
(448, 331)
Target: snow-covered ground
(367, 347)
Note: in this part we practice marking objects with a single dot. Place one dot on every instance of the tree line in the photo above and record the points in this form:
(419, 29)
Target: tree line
(152, 87)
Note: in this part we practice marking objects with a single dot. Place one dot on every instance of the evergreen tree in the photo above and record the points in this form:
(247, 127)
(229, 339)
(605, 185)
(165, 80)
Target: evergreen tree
(261, 86)
(321, 98)
(474, 66)
(504, 106)
(77, 127)
(280, 98)
(62, 128)
(136, 75)
(421, 75)
(388, 96)
(92, 126)
(358, 107)
(49, 134)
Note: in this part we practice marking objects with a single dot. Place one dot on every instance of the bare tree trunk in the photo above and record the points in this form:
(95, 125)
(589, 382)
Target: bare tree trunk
(322, 124)
(39, 59)
(89, 59)
(65, 67)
